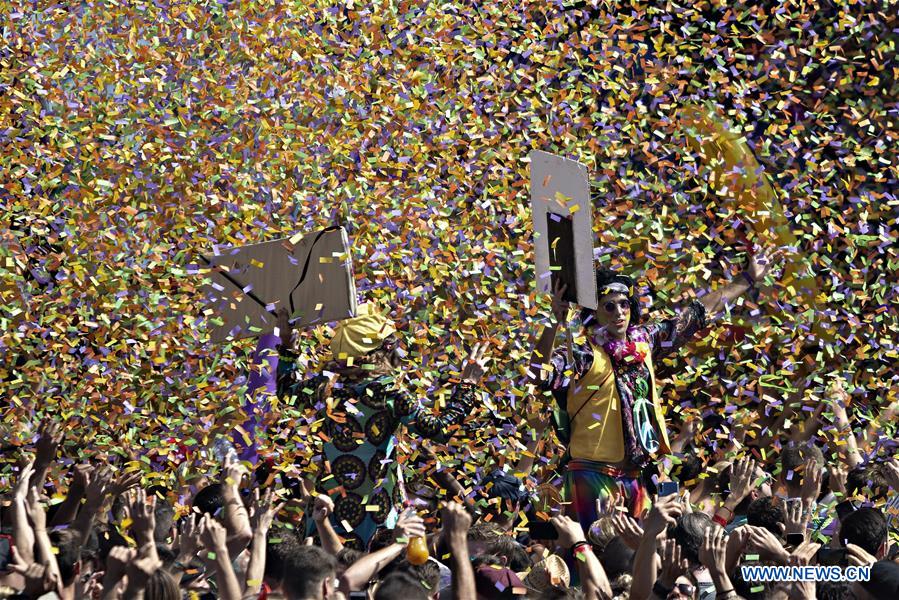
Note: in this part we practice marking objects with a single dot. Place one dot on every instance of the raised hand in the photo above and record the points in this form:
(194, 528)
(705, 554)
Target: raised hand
(559, 306)
(796, 517)
(212, 535)
(475, 364)
(117, 562)
(663, 513)
(50, 436)
(761, 262)
(713, 552)
(811, 481)
(39, 579)
(838, 478)
(570, 531)
(741, 479)
(322, 508)
(627, 529)
(98, 484)
(804, 553)
(456, 521)
(858, 556)
(673, 563)
(767, 543)
(188, 539)
(265, 510)
(409, 525)
(123, 483)
(20, 491)
(143, 516)
(232, 474)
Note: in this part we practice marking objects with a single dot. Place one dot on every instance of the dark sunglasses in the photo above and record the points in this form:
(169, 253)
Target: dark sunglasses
(610, 306)
(686, 589)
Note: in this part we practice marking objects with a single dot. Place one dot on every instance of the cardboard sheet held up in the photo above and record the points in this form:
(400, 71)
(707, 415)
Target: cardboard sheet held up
(563, 226)
(311, 275)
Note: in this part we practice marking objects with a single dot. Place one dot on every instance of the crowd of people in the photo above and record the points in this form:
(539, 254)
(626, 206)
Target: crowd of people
(640, 513)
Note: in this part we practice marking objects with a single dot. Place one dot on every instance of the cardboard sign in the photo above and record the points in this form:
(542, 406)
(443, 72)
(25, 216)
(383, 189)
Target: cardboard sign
(563, 227)
(311, 275)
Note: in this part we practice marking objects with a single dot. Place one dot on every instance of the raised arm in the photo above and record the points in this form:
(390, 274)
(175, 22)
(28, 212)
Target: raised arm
(441, 427)
(264, 512)
(456, 523)
(759, 264)
(321, 511)
(237, 520)
(543, 349)
(356, 577)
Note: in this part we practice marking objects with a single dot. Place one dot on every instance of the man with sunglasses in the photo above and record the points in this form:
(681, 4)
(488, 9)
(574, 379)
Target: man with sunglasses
(607, 385)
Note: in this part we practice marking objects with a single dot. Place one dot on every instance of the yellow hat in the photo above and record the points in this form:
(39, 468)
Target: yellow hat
(361, 334)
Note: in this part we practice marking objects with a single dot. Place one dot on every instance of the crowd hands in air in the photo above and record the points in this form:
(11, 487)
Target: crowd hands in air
(810, 504)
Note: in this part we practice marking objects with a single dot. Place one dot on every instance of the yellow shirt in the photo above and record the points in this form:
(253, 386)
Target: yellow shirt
(595, 409)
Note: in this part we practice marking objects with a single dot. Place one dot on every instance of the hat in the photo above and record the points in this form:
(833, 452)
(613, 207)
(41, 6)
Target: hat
(361, 334)
(549, 572)
(498, 583)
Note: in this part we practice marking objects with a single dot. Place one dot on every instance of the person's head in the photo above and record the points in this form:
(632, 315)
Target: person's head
(479, 537)
(209, 500)
(281, 546)
(617, 306)
(511, 552)
(558, 592)
(866, 528)
(505, 494)
(346, 557)
(68, 555)
(494, 583)
(616, 558)
(867, 481)
(767, 512)
(688, 471)
(368, 337)
(309, 574)
(162, 586)
(883, 584)
(689, 533)
(165, 518)
(792, 464)
(400, 584)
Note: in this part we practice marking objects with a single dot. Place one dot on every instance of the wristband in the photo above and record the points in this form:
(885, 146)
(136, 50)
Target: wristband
(579, 547)
(660, 590)
(720, 520)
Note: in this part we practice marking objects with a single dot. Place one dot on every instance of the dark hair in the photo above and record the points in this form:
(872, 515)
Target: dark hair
(689, 468)
(347, 556)
(68, 554)
(793, 458)
(166, 555)
(689, 533)
(400, 584)
(307, 567)
(603, 278)
(871, 477)
(210, 499)
(558, 592)
(516, 556)
(161, 586)
(767, 512)
(483, 532)
(616, 558)
(866, 528)
(489, 560)
(281, 545)
(834, 590)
